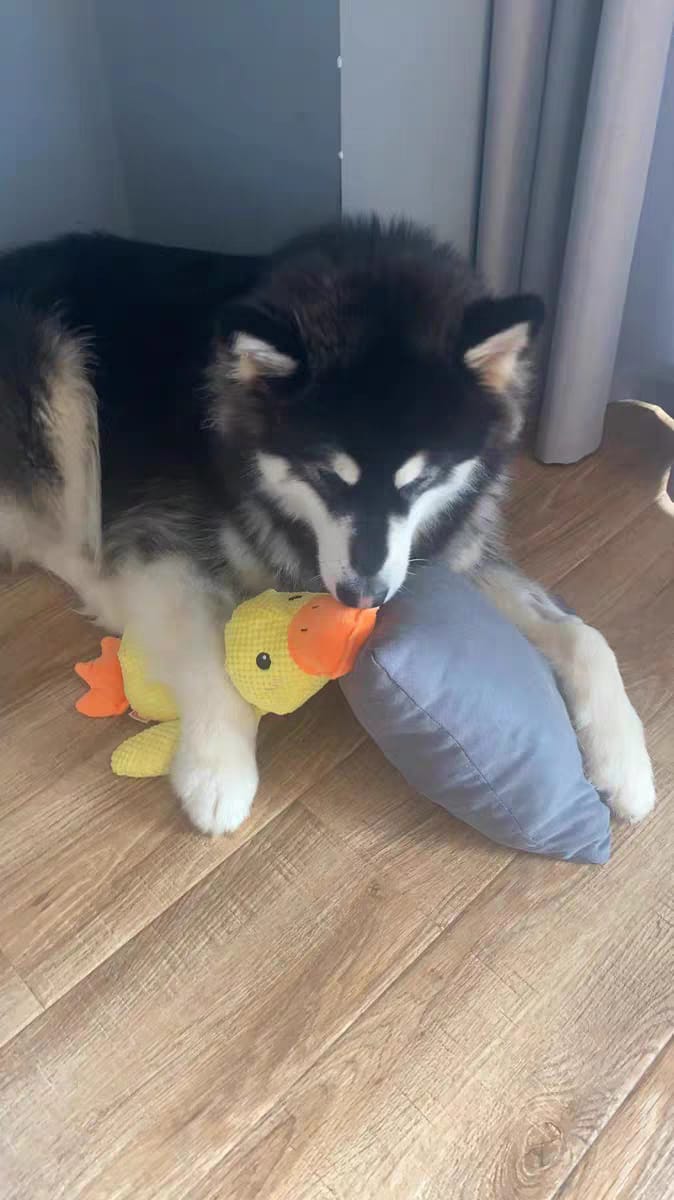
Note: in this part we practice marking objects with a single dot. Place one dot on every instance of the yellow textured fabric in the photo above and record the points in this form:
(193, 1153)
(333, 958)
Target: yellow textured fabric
(148, 753)
(279, 650)
(152, 701)
(259, 627)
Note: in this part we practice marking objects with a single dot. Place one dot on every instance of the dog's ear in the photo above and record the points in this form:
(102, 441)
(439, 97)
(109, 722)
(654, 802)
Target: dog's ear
(261, 345)
(259, 360)
(494, 333)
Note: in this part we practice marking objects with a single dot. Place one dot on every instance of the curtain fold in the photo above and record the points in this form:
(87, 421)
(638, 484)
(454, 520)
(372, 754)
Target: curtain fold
(645, 363)
(516, 80)
(572, 103)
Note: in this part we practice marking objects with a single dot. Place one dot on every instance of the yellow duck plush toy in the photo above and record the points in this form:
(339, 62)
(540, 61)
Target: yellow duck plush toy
(280, 648)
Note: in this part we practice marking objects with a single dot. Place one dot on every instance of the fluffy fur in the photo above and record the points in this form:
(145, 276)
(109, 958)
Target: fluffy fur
(179, 430)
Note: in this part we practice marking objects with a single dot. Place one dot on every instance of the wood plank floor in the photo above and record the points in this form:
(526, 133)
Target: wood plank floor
(354, 996)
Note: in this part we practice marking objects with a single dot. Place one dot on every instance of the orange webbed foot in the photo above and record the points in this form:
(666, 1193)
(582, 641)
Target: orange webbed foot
(106, 696)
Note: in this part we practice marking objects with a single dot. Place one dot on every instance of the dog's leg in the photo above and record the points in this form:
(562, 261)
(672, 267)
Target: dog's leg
(609, 731)
(180, 625)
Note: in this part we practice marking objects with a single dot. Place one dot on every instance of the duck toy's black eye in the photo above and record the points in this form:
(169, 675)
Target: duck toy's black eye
(263, 661)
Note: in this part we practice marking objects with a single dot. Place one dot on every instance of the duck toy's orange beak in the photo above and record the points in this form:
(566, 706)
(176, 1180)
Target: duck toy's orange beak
(325, 637)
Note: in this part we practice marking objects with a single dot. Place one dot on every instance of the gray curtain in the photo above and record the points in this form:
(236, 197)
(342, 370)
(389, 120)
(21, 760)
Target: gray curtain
(573, 94)
(645, 365)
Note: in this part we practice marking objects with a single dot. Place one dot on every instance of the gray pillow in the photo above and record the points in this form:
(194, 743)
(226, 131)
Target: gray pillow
(469, 712)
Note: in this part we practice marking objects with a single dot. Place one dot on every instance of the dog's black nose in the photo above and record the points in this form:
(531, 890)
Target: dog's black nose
(357, 595)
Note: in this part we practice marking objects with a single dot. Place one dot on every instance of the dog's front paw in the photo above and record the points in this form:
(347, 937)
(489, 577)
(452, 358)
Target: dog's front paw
(217, 793)
(618, 762)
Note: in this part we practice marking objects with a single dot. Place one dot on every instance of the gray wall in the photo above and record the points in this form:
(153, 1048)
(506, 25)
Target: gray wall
(213, 124)
(645, 365)
(413, 86)
(59, 167)
(228, 116)
(216, 123)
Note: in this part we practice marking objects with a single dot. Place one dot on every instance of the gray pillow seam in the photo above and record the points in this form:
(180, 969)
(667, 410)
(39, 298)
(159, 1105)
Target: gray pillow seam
(438, 725)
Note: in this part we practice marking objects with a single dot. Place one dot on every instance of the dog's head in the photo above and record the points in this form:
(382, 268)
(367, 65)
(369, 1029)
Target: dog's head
(372, 384)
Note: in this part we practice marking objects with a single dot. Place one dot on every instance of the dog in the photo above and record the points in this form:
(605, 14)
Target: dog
(180, 430)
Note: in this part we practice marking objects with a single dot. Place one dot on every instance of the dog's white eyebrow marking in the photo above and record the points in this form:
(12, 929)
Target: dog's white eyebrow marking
(410, 470)
(252, 357)
(346, 467)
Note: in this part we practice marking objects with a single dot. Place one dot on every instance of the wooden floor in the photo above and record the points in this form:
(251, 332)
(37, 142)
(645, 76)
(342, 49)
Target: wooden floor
(355, 996)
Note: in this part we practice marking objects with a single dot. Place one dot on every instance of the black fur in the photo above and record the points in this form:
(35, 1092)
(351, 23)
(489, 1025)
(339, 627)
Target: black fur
(27, 358)
(376, 318)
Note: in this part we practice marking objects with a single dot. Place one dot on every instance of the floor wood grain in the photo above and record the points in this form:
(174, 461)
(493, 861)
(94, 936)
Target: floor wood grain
(355, 996)
(18, 1005)
(634, 1158)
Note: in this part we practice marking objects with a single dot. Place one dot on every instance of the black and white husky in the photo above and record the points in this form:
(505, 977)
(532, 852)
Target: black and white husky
(179, 430)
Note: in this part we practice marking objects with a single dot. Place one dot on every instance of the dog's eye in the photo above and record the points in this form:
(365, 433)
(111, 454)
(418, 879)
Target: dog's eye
(409, 490)
(340, 468)
(414, 474)
(263, 661)
(331, 480)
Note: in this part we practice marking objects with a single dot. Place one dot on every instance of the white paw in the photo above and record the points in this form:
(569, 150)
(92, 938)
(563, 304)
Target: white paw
(609, 731)
(217, 793)
(618, 763)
